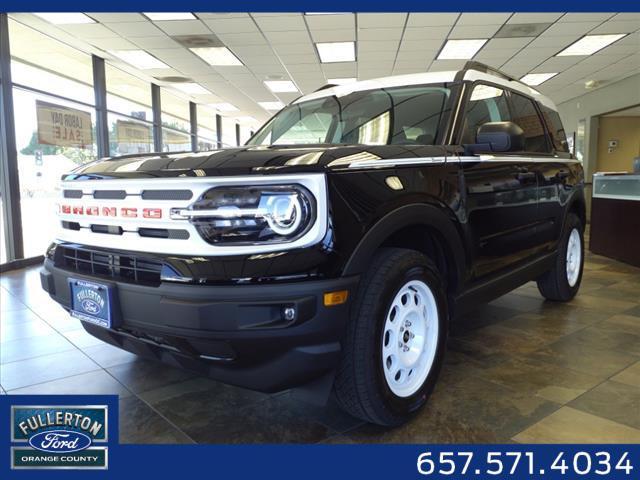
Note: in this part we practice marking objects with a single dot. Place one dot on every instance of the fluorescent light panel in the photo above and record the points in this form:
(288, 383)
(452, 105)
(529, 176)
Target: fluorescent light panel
(271, 105)
(590, 44)
(139, 59)
(341, 81)
(65, 18)
(533, 79)
(192, 88)
(161, 16)
(331, 52)
(280, 86)
(224, 107)
(217, 56)
(461, 49)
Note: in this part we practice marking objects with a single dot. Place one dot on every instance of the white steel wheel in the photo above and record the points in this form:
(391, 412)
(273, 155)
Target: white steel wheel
(574, 257)
(410, 338)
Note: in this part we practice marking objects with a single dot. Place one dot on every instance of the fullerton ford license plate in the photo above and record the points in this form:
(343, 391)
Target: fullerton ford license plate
(92, 302)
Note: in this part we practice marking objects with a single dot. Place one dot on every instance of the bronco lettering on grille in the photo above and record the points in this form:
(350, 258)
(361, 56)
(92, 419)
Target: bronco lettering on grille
(125, 212)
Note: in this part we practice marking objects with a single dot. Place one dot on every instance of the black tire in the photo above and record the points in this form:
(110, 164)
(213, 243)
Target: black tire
(554, 285)
(360, 386)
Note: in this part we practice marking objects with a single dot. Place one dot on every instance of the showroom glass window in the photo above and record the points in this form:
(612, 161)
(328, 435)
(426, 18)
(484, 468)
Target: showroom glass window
(486, 104)
(397, 116)
(207, 136)
(245, 134)
(526, 117)
(55, 125)
(130, 116)
(176, 127)
(228, 132)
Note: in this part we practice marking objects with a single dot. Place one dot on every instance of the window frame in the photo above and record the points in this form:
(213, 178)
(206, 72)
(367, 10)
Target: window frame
(458, 133)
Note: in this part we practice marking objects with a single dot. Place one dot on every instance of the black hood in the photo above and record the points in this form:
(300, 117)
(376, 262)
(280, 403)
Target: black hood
(248, 160)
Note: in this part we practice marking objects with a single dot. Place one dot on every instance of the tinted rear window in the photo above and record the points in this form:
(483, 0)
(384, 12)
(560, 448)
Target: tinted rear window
(558, 135)
(526, 116)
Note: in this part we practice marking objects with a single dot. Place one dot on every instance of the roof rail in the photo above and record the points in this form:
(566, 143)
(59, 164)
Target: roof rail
(324, 87)
(481, 67)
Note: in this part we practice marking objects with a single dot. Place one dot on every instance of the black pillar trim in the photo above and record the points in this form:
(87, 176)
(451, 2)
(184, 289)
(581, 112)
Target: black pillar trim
(100, 93)
(193, 120)
(156, 106)
(12, 213)
(219, 130)
(237, 134)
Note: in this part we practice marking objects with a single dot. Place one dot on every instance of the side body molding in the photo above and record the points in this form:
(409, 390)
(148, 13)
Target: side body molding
(407, 216)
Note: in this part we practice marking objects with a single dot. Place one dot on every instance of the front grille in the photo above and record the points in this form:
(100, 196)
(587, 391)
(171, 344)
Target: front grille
(123, 268)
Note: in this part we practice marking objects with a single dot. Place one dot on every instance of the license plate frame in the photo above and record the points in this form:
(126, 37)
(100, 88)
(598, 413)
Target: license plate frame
(93, 302)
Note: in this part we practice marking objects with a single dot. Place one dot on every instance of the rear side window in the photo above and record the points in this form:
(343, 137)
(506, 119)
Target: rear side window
(554, 125)
(526, 117)
(486, 104)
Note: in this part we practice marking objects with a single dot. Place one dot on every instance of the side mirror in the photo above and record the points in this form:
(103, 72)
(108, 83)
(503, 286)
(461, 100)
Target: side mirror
(500, 137)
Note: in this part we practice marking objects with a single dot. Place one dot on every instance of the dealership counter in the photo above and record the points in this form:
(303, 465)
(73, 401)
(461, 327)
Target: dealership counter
(615, 217)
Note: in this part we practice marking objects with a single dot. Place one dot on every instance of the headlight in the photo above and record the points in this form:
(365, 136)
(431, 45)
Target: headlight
(250, 215)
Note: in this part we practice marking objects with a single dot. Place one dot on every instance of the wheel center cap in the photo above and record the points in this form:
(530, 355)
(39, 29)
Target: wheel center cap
(406, 336)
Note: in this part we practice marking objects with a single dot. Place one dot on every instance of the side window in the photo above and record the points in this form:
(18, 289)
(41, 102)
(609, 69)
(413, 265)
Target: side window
(554, 125)
(526, 116)
(486, 104)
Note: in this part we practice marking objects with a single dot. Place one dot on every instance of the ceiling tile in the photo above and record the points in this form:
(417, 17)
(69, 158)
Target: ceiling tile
(381, 20)
(331, 22)
(90, 30)
(377, 46)
(231, 25)
(560, 29)
(287, 37)
(476, 18)
(281, 23)
(507, 43)
(117, 17)
(135, 29)
(626, 26)
(585, 17)
(116, 43)
(232, 39)
(431, 19)
(426, 33)
(534, 17)
(474, 31)
(183, 27)
(299, 48)
(379, 33)
(155, 42)
(348, 35)
(444, 65)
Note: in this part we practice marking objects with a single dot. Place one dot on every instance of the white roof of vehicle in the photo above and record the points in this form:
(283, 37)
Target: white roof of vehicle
(423, 79)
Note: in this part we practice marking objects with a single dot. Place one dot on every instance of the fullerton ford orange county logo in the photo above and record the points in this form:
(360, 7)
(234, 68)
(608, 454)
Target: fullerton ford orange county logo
(55, 437)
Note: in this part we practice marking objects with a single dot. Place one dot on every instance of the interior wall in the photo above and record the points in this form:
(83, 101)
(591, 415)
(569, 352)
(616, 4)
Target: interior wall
(626, 130)
(616, 96)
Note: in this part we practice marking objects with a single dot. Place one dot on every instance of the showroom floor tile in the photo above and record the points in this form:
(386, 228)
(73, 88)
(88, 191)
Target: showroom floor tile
(519, 369)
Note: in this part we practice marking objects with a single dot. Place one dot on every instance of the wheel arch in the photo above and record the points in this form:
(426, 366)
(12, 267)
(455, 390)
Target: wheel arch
(421, 227)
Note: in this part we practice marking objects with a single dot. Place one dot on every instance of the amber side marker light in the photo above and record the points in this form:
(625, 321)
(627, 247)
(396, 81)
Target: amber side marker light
(335, 298)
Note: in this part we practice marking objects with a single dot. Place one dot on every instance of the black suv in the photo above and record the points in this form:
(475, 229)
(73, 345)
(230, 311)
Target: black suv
(333, 249)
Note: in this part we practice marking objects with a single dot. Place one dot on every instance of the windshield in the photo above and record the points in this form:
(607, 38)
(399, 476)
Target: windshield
(387, 116)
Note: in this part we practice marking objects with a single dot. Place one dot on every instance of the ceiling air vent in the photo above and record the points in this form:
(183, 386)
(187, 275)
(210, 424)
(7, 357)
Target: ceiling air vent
(198, 41)
(515, 30)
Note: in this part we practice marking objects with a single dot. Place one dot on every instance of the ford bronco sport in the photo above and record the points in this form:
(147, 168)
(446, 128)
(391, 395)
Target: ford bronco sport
(333, 249)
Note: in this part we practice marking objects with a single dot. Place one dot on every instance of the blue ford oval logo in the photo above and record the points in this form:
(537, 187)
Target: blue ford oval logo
(90, 306)
(60, 441)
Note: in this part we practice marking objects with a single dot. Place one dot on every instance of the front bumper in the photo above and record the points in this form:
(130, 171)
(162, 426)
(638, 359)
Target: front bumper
(236, 334)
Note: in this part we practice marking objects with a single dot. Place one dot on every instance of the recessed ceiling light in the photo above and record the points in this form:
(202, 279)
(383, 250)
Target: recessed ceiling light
(271, 105)
(461, 49)
(224, 107)
(590, 44)
(336, 52)
(65, 18)
(160, 16)
(139, 59)
(192, 88)
(280, 86)
(217, 56)
(341, 81)
(246, 119)
(534, 79)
